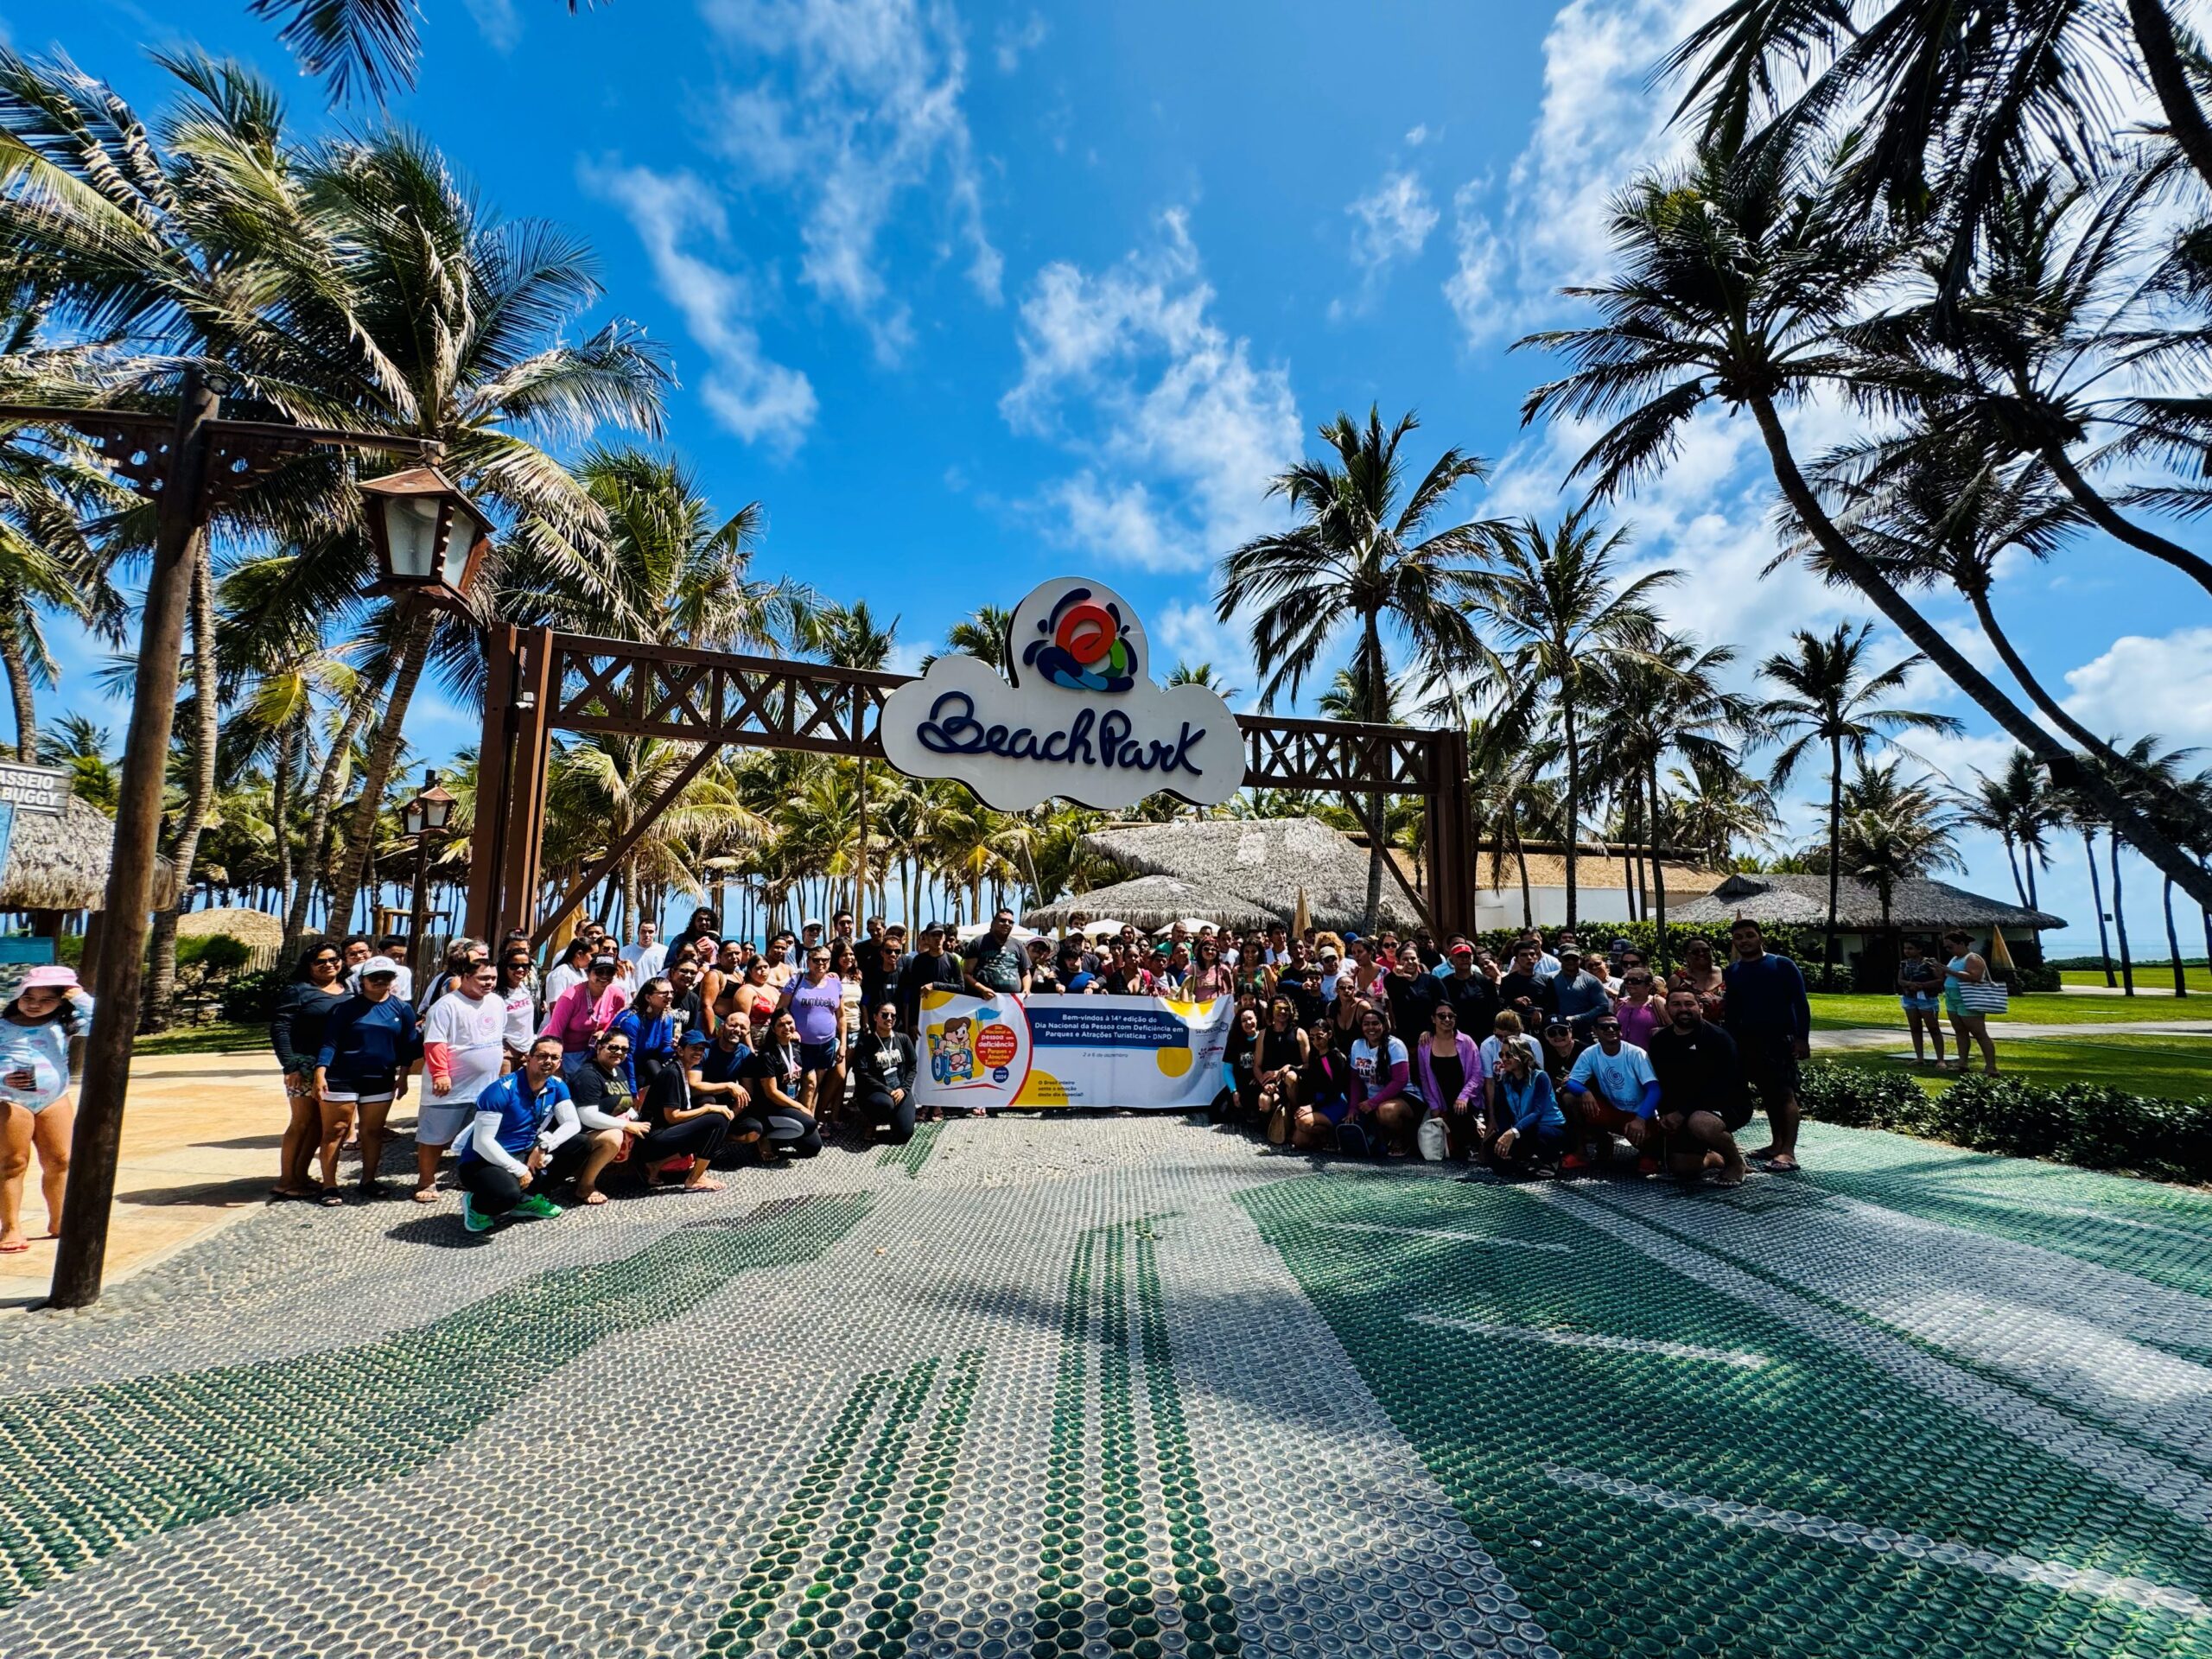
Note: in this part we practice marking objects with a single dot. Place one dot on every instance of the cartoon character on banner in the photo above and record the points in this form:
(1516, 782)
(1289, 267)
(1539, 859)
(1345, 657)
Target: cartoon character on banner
(952, 1057)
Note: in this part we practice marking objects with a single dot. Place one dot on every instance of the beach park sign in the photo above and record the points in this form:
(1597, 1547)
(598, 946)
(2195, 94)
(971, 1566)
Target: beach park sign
(1075, 714)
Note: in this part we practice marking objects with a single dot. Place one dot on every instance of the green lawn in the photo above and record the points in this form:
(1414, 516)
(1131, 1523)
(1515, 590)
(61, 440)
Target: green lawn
(2178, 1067)
(1839, 1011)
(2159, 977)
(220, 1037)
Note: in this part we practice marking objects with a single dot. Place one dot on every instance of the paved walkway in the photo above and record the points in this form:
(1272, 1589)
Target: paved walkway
(1122, 1387)
(1878, 1036)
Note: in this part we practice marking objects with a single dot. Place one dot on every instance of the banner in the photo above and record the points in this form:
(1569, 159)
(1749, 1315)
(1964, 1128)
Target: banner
(1151, 1053)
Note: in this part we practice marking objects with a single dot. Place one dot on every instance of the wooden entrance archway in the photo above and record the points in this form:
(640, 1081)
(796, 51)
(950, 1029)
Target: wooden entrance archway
(541, 681)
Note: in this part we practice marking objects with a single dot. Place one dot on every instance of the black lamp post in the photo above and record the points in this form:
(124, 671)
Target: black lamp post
(190, 464)
(426, 818)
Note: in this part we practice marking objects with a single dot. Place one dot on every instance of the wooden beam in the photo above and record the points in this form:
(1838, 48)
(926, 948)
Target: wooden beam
(525, 834)
(616, 853)
(494, 763)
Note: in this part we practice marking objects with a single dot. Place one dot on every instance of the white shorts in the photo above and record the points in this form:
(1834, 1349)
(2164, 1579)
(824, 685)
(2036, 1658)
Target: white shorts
(344, 1099)
(437, 1124)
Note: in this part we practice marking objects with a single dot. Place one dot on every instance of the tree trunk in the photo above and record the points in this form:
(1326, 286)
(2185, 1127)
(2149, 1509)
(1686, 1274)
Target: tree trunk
(2019, 885)
(206, 727)
(336, 766)
(2162, 57)
(1658, 870)
(1930, 641)
(2173, 945)
(20, 691)
(2028, 851)
(1378, 846)
(2120, 918)
(285, 778)
(1528, 899)
(384, 753)
(1574, 800)
(1835, 853)
(2097, 899)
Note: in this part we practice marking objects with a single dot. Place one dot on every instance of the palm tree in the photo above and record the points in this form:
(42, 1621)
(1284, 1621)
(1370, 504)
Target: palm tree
(2083, 813)
(1558, 618)
(849, 637)
(2154, 780)
(1206, 675)
(1741, 276)
(1360, 558)
(75, 743)
(1829, 699)
(1893, 830)
(982, 636)
(2019, 807)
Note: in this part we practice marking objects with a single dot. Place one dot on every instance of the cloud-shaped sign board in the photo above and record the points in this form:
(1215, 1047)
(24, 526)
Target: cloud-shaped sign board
(1075, 715)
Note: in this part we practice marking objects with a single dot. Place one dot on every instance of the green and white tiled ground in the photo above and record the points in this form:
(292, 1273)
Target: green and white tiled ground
(1133, 1387)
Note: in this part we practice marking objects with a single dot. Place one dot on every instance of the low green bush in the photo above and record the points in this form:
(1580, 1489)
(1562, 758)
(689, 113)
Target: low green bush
(2094, 1126)
(251, 997)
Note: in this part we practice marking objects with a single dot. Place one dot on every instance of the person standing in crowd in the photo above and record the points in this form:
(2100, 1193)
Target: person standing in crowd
(1505, 1032)
(393, 947)
(703, 924)
(1471, 994)
(648, 957)
(41, 1113)
(684, 1125)
(1449, 1067)
(931, 965)
(995, 965)
(1128, 976)
(356, 948)
(1531, 1128)
(1324, 1095)
(520, 1120)
(817, 1006)
(1345, 1007)
(1965, 967)
(572, 969)
(368, 1042)
(774, 1077)
(1765, 1011)
(880, 965)
(1044, 979)
(1615, 1093)
(1703, 1104)
(582, 1012)
(1072, 969)
(463, 956)
(884, 1065)
(687, 1004)
(845, 966)
(1241, 1056)
(1920, 994)
(651, 1032)
(1330, 964)
(780, 971)
(1209, 977)
(1561, 1051)
(1528, 991)
(318, 986)
(1578, 996)
(1640, 1009)
(1701, 974)
(521, 1007)
(1381, 1084)
(757, 1000)
(464, 1047)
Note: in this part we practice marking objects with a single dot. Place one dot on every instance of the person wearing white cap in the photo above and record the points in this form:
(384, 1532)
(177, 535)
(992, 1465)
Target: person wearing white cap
(368, 1042)
(35, 1033)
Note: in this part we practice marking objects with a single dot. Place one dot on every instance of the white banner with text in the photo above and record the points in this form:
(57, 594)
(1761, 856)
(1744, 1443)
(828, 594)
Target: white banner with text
(1151, 1054)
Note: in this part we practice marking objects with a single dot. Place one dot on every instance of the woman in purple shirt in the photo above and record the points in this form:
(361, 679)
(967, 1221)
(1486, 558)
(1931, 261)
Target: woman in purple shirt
(1451, 1069)
(816, 1002)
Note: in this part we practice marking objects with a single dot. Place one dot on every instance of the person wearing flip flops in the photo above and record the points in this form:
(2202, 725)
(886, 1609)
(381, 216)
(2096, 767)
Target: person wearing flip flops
(522, 1122)
(1610, 1082)
(1765, 1010)
(39, 1111)
(368, 1042)
(1703, 1103)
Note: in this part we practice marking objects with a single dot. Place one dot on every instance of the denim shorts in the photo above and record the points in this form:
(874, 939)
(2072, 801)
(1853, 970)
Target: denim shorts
(819, 1056)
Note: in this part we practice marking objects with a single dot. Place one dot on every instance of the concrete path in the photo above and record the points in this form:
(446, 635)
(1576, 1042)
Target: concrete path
(1880, 1037)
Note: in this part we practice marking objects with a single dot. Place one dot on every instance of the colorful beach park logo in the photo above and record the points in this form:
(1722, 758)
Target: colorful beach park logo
(1072, 714)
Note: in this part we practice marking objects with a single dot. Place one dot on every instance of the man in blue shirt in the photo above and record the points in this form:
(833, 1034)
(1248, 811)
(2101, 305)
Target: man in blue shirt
(1613, 1084)
(1765, 1009)
(1580, 996)
(522, 1119)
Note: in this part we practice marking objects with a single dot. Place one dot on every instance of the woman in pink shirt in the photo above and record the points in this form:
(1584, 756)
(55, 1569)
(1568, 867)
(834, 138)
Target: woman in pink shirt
(1639, 1011)
(582, 1012)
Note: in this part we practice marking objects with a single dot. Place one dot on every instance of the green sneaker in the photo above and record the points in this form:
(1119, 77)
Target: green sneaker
(537, 1206)
(470, 1219)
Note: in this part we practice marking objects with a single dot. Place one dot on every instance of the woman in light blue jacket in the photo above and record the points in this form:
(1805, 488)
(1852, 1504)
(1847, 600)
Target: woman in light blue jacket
(40, 1112)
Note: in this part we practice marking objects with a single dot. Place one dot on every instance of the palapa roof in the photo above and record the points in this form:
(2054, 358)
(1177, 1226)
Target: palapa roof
(1151, 902)
(1592, 869)
(58, 860)
(256, 927)
(1252, 868)
(1916, 904)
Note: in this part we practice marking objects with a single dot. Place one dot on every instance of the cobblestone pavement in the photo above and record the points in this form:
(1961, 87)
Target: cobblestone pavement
(1132, 1386)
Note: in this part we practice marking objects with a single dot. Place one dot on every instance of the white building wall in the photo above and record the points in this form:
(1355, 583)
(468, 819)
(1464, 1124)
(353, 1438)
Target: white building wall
(1504, 909)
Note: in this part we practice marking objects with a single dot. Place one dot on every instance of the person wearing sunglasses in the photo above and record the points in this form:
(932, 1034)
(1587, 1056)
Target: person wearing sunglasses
(296, 1033)
(1612, 1086)
(1641, 1009)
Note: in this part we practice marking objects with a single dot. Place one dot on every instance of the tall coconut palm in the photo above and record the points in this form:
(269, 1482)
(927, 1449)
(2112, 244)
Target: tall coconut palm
(2082, 813)
(1362, 558)
(848, 636)
(2019, 807)
(1558, 616)
(1739, 276)
(2155, 779)
(1830, 700)
(1893, 830)
(1204, 674)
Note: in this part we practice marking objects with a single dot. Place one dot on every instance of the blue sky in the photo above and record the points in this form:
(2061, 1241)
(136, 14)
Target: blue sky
(973, 295)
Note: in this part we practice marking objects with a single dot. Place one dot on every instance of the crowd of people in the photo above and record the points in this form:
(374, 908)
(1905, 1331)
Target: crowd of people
(662, 1062)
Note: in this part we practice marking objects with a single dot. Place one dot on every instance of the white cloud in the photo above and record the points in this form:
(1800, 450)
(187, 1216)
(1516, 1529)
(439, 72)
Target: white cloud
(1392, 223)
(1014, 42)
(761, 401)
(499, 22)
(2143, 685)
(1178, 431)
(1472, 289)
(1417, 135)
(859, 107)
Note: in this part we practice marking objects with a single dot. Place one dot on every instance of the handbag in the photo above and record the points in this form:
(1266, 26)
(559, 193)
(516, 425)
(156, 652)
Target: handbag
(1984, 996)
(1432, 1139)
(1279, 1125)
(1352, 1139)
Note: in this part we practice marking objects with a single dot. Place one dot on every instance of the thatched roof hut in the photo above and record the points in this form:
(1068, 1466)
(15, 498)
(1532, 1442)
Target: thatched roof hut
(1152, 902)
(1258, 864)
(58, 860)
(1915, 907)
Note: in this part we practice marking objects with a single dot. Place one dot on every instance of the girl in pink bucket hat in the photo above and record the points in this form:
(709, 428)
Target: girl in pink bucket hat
(35, 1033)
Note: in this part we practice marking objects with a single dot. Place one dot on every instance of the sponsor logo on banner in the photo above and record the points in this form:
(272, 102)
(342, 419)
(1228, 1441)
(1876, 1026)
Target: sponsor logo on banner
(1144, 1052)
(1075, 714)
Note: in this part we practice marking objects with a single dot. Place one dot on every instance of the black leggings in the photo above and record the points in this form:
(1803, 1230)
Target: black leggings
(697, 1137)
(876, 1107)
(493, 1190)
(788, 1129)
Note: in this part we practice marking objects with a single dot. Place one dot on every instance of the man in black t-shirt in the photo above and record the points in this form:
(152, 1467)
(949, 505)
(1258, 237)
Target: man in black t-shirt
(931, 965)
(1526, 991)
(1471, 996)
(1702, 1097)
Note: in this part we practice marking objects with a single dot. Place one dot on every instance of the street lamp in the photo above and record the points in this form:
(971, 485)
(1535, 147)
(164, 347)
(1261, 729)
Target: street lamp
(426, 818)
(430, 537)
(188, 464)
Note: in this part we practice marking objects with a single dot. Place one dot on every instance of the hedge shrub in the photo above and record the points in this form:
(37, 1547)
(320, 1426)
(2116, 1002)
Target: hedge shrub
(249, 997)
(2094, 1126)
